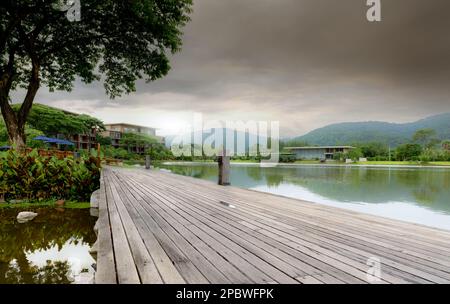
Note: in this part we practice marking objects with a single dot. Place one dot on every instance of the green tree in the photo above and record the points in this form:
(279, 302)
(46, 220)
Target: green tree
(54, 121)
(158, 151)
(426, 138)
(446, 145)
(103, 141)
(132, 139)
(120, 39)
(374, 149)
(408, 152)
(354, 154)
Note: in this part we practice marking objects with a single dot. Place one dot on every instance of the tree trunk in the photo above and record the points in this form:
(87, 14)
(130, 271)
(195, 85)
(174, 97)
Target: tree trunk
(15, 122)
(16, 132)
(18, 137)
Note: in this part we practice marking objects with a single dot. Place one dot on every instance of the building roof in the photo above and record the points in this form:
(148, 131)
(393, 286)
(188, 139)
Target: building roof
(319, 147)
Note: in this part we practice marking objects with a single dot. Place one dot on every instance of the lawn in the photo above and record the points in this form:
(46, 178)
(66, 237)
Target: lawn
(403, 163)
(379, 163)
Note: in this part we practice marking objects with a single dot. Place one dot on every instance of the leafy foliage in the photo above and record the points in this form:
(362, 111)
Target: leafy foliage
(373, 149)
(408, 152)
(426, 137)
(52, 121)
(31, 176)
(132, 139)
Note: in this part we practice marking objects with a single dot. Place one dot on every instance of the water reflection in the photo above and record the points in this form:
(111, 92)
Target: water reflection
(420, 195)
(53, 248)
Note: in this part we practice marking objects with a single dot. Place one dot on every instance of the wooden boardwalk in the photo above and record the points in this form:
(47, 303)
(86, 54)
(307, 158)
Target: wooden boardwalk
(157, 227)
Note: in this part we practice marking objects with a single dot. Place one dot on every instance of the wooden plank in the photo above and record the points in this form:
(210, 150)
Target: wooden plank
(167, 270)
(106, 270)
(125, 266)
(148, 273)
(309, 280)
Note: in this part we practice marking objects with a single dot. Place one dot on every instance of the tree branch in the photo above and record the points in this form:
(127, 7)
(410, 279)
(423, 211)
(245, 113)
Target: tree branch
(34, 83)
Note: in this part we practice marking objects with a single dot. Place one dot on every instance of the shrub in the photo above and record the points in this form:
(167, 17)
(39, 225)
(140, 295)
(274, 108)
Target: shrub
(409, 152)
(287, 158)
(30, 176)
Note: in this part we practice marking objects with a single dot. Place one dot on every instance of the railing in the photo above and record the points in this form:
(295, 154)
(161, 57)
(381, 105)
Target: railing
(49, 153)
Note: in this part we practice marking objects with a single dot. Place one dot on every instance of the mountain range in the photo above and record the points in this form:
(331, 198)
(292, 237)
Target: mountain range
(375, 131)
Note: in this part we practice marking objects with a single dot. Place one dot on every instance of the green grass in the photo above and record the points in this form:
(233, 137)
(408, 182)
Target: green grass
(380, 163)
(46, 203)
(409, 163)
(404, 163)
(309, 162)
(440, 163)
(244, 161)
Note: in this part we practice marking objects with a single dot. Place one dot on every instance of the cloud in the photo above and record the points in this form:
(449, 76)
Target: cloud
(305, 63)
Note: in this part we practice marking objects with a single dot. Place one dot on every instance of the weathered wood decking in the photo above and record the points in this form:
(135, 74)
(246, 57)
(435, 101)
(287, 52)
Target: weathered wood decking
(157, 227)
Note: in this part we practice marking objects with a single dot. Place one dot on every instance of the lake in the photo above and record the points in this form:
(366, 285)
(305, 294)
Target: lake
(51, 249)
(418, 195)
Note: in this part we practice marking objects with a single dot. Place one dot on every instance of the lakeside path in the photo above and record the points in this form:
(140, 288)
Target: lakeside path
(158, 227)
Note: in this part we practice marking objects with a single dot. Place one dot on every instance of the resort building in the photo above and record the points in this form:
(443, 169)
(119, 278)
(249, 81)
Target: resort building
(115, 132)
(84, 141)
(325, 152)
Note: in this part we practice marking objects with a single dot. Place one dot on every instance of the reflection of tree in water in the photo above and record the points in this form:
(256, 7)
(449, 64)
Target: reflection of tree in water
(49, 229)
(427, 188)
(203, 171)
(52, 273)
(255, 173)
(272, 176)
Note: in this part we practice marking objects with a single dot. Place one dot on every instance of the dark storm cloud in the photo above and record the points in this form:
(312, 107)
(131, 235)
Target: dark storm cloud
(303, 62)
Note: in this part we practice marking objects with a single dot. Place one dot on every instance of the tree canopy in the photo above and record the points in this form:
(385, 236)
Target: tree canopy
(54, 121)
(137, 139)
(121, 40)
(426, 137)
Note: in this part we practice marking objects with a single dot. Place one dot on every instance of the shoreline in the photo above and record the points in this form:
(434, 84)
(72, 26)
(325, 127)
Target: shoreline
(407, 166)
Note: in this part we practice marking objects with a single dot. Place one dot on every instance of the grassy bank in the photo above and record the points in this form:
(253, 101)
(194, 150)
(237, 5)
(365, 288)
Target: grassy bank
(379, 163)
(404, 163)
(46, 203)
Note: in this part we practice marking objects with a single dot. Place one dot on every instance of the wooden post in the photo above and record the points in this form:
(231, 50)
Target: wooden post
(147, 162)
(224, 170)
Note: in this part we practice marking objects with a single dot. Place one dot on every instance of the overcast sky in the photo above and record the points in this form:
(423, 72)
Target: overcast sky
(305, 63)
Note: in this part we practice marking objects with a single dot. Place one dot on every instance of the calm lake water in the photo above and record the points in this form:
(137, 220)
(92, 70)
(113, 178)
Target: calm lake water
(51, 249)
(418, 195)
